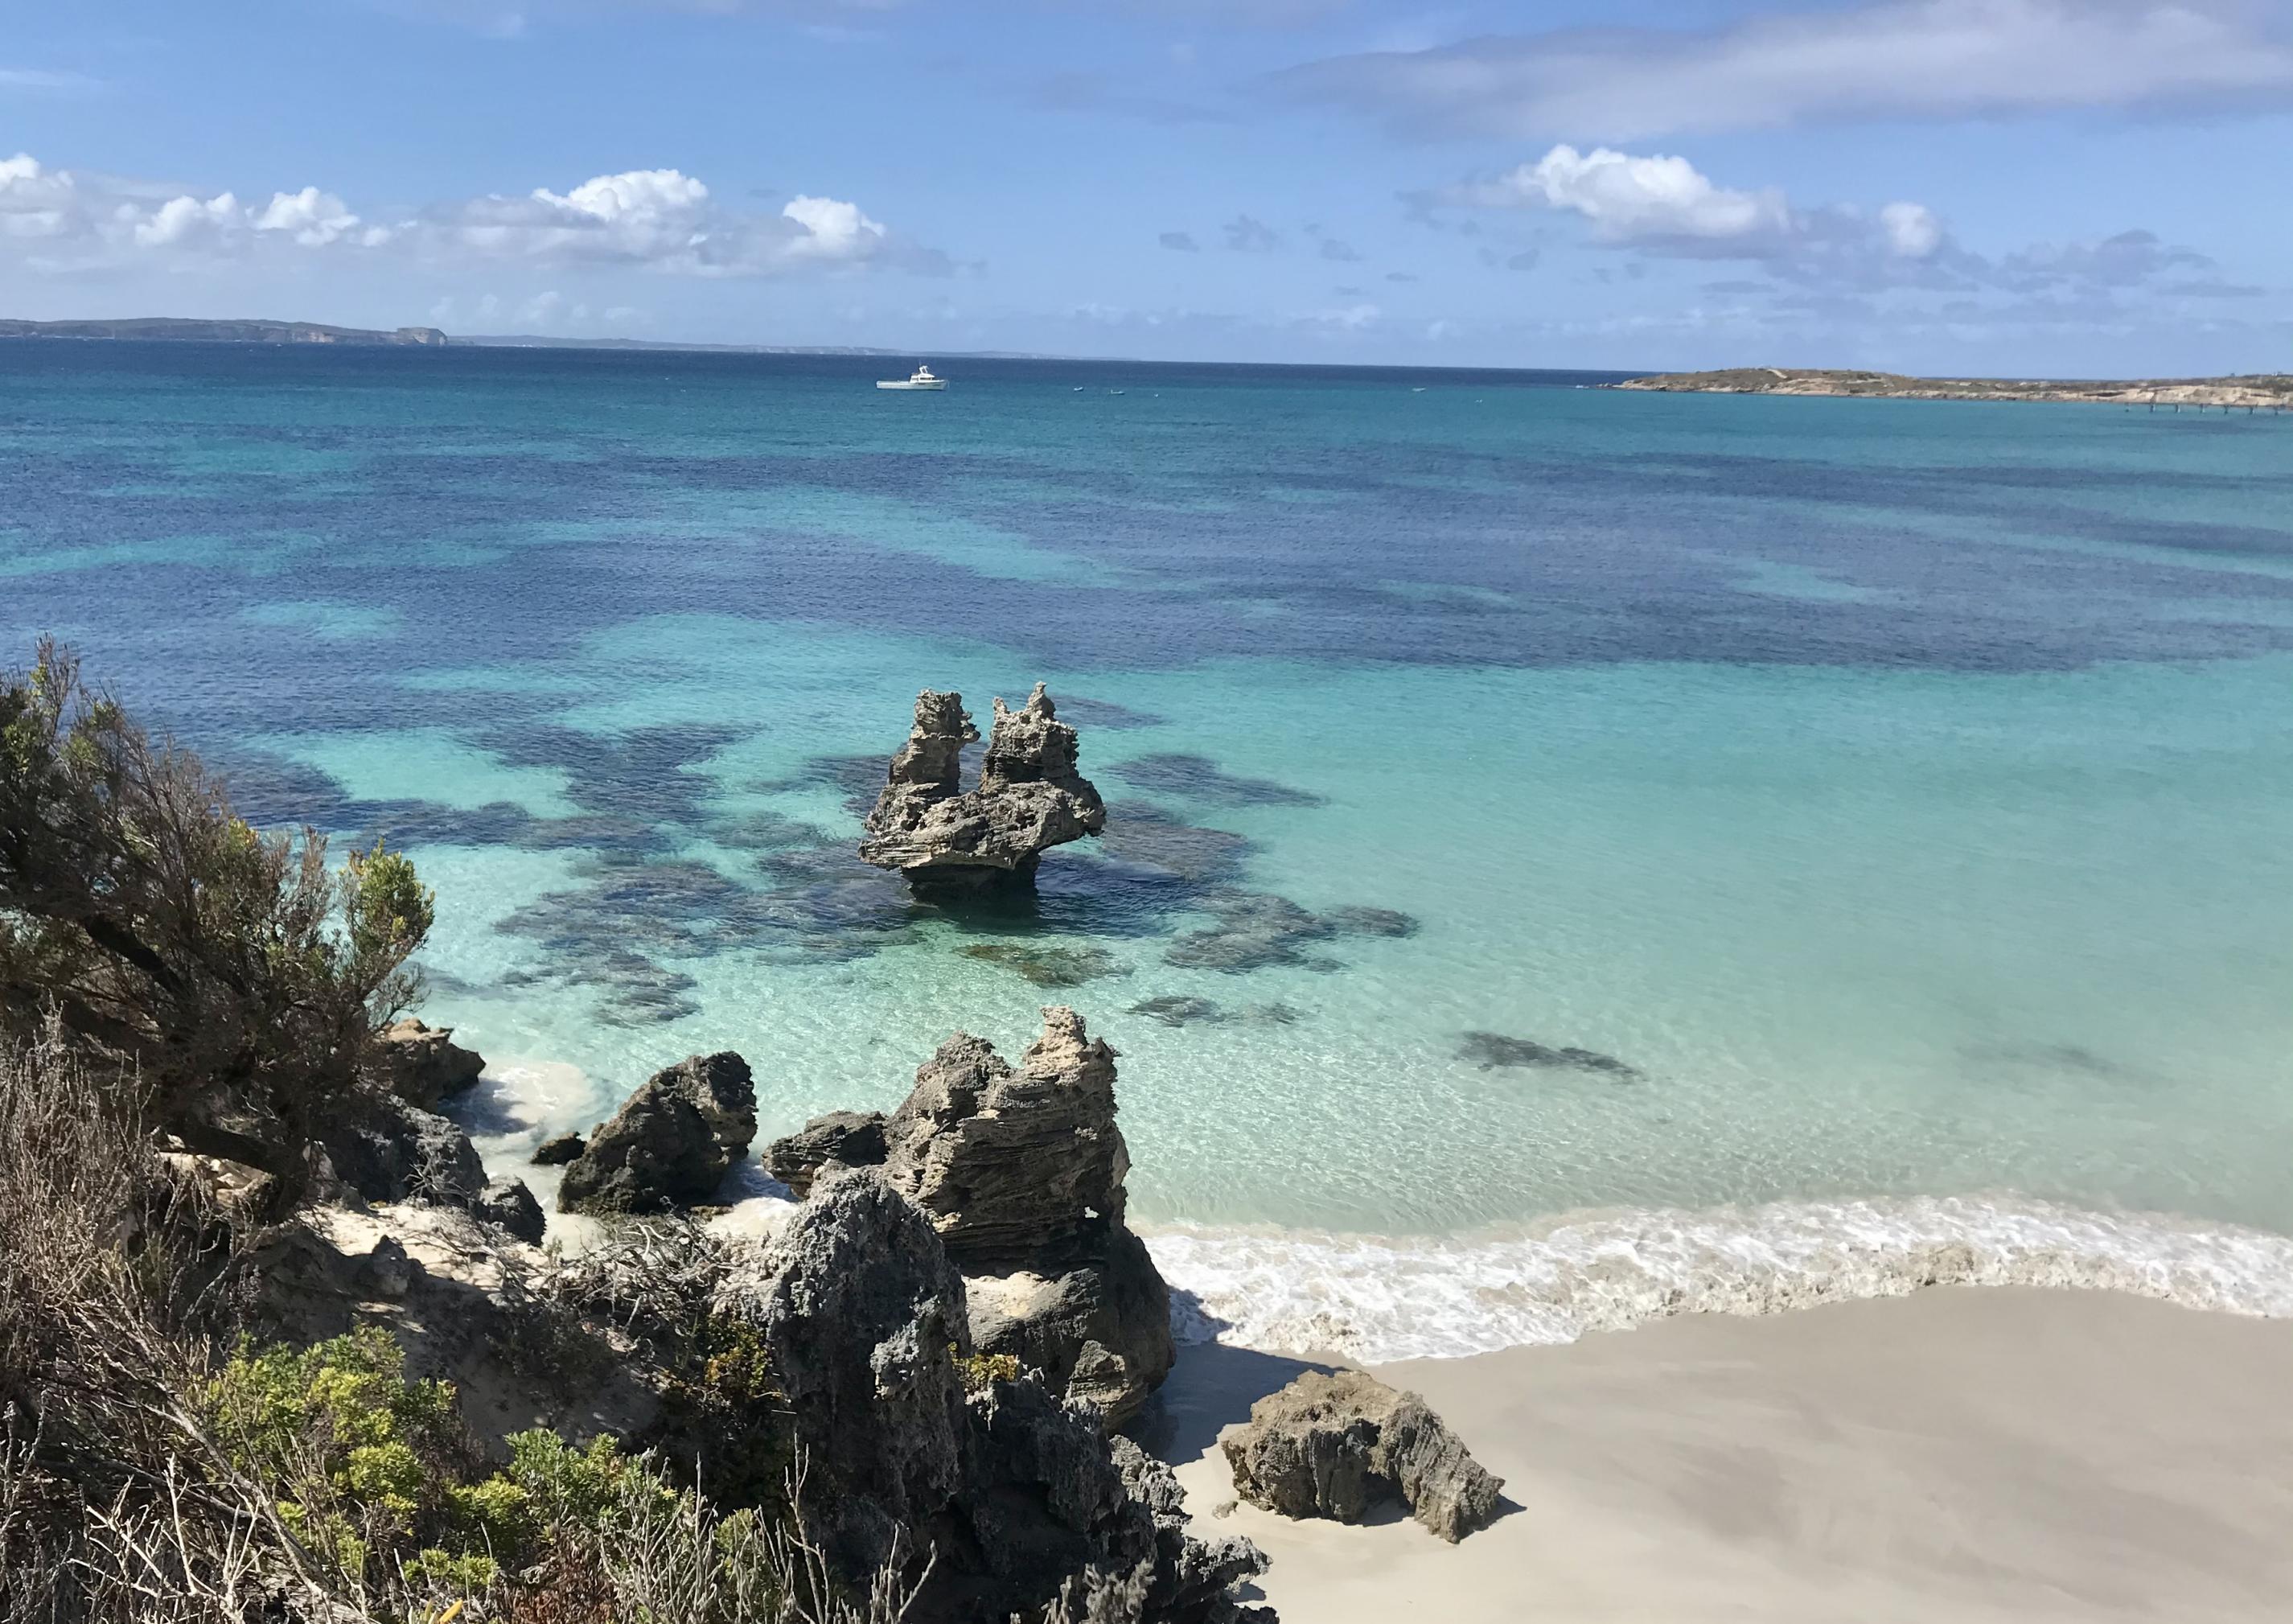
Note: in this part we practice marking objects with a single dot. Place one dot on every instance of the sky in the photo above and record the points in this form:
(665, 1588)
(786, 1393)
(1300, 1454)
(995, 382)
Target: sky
(2072, 188)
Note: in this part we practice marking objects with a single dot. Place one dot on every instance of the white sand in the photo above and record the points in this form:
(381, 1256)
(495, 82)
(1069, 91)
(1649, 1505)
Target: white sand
(1957, 1455)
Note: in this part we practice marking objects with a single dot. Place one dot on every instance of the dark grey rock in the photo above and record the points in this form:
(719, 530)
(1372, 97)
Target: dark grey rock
(1030, 796)
(421, 1065)
(1332, 1445)
(841, 1139)
(670, 1144)
(1255, 932)
(388, 1150)
(557, 1150)
(1014, 1492)
(510, 1204)
(1492, 1050)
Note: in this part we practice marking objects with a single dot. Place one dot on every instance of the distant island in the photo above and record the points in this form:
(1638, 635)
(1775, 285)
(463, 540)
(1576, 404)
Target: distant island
(176, 328)
(2256, 392)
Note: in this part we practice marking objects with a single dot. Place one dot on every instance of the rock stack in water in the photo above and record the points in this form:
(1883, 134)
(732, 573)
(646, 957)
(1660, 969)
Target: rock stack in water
(1030, 796)
(1020, 1173)
(670, 1144)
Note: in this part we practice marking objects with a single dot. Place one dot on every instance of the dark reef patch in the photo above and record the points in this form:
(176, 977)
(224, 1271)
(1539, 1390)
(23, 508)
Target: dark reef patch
(1255, 930)
(1200, 778)
(1094, 714)
(1049, 966)
(1180, 1010)
(1491, 1051)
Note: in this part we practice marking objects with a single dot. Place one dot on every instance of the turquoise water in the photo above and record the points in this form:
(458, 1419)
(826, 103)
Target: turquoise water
(1896, 793)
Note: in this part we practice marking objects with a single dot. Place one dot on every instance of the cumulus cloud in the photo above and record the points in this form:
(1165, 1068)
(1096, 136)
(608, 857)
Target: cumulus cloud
(1662, 204)
(656, 219)
(1182, 242)
(1343, 253)
(1891, 58)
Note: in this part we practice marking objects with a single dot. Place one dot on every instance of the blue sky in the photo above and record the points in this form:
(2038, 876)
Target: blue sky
(2087, 187)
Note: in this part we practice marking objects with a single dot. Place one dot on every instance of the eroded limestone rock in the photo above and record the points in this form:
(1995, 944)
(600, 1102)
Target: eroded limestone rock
(1030, 796)
(1021, 1171)
(865, 1316)
(422, 1065)
(671, 1142)
(1331, 1446)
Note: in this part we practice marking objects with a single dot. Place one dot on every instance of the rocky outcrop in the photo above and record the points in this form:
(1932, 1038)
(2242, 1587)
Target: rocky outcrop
(1030, 796)
(841, 1139)
(1330, 1446)
(509, 1205)
(422, 1065)
(1006, 1491)
(558, 1150)
(670, 1144)
(1021, 1173)
(388, 1150)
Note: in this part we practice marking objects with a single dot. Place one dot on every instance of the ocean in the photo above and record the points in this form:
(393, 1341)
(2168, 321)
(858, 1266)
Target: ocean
(1837, 843)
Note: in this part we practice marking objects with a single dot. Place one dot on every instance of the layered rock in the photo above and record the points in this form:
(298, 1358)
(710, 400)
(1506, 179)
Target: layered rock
(421, 1064)
(670, 1144)
(1021, 1173)
(1332, 1445)
(841, 1139)
(1007, 1492)
(1030, 796)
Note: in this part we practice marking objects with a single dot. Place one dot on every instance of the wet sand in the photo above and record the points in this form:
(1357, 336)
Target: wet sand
(1957, 1455)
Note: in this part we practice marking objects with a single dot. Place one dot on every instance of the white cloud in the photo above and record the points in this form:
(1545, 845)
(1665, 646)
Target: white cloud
(1912, 230)
(1628, 199)
(657, 219)
(1890, 58)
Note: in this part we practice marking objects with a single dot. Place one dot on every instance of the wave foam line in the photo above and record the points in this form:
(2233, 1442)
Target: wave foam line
(1376, 1300)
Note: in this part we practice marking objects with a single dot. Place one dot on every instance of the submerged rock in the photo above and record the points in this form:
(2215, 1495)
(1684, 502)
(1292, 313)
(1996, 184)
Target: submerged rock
(1492, 1049)
(422, 1065)
(1331, 1446)
(1049, 966)
(670, 1144)
(1030, 796)
(841, 1139)
(1255, 931)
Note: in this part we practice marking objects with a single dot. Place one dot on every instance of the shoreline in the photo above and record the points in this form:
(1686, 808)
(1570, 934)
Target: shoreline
(2003, 1454)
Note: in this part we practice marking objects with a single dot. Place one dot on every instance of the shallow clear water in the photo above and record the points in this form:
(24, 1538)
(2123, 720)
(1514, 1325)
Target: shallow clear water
(1897, 793)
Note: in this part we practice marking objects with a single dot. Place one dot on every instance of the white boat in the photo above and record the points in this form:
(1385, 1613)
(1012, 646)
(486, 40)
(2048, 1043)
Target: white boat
(920, 379)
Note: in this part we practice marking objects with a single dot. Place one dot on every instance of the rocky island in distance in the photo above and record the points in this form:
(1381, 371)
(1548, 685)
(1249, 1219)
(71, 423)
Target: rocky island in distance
(2256, 392)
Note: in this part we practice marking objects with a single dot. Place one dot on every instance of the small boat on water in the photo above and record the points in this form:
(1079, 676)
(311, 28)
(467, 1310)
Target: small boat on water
(922, 378)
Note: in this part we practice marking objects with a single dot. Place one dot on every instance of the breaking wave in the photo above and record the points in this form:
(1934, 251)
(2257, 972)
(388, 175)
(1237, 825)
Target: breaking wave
(1376, 1299)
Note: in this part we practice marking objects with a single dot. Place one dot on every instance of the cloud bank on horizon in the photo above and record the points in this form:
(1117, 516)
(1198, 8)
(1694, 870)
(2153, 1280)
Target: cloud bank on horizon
(1998, 185)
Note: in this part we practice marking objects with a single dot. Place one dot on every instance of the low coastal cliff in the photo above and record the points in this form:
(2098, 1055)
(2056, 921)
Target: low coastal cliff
(2257, 392)
(178, 328)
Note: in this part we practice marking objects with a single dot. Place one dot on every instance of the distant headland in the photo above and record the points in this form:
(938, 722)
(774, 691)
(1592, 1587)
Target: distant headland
(2256, 392)
(220, 332)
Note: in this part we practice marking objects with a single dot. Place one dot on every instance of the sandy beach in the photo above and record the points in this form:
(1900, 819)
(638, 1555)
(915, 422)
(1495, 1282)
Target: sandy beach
(1956, 1455)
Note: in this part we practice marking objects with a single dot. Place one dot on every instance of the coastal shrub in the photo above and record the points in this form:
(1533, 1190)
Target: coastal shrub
(238, 976)
(982, 1371)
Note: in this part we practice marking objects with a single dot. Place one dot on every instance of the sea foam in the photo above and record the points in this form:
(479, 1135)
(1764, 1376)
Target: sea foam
(1377, 1299)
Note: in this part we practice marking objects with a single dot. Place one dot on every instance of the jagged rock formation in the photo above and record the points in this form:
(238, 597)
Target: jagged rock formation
(421, 1064)
(670, 1144)
(1021, 1173)
(388, 1150)
(558, 1150)
(1029, 798)
(864, 1313)
(841, 1139)
(1329, 1446)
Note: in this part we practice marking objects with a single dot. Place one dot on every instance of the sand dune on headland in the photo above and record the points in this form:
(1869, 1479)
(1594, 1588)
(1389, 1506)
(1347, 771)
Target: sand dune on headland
(1954, 1456)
